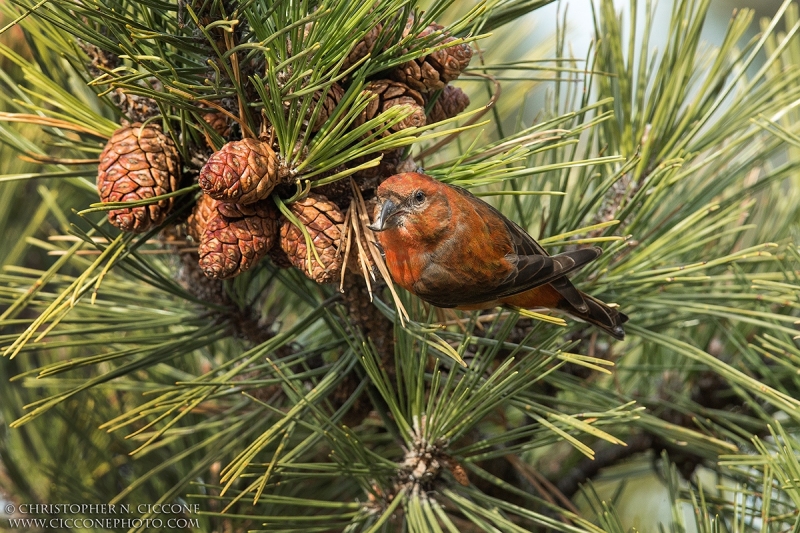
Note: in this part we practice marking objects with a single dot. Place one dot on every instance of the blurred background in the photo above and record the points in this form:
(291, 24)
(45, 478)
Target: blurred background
(643, 503)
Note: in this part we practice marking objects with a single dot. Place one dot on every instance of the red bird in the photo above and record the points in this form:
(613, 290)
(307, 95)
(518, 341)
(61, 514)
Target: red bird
(454, 250)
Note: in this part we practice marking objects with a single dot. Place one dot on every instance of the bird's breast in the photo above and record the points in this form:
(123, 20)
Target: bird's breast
(405, 263)
(450, 268)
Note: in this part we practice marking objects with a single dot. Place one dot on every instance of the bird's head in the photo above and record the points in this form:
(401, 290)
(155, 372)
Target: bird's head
(409, 200)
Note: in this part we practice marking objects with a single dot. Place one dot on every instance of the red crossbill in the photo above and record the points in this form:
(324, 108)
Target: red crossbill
(454, 250)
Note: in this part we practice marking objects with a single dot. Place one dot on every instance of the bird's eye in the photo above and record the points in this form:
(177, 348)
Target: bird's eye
(419, 197)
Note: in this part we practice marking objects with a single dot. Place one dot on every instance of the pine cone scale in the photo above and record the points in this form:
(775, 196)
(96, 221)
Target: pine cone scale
(389, 94)
(363, 48)
(332, 98)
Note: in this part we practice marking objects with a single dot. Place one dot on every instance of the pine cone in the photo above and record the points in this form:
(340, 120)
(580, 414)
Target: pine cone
(241, 172)
(432, 72)
(208, 13)
(138, 163)
(136, 107)
(450, 103)
(219, 123)
(390, 94)
(339, 192)
(203, 210)
(323, 220)
(363, 48)
(458, 471)
(332, 98)
(236, 237)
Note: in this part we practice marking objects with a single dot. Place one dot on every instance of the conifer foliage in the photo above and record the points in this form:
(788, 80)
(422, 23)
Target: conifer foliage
(193, 307)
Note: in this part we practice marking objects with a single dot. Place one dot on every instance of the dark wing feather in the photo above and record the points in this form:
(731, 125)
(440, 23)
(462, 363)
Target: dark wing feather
(570, 293)
(529, 274)
(526, 246)
(530, 271)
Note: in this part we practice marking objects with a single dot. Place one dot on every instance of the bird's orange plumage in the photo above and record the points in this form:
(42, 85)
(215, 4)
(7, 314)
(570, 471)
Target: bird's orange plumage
(455, 250)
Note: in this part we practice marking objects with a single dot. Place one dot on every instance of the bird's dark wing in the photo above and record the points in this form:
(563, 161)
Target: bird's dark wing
(528, 272)
(570, 293)
(535, 270)
(526, 246)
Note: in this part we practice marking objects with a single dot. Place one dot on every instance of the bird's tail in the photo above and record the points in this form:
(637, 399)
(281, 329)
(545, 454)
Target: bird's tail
(599, 314)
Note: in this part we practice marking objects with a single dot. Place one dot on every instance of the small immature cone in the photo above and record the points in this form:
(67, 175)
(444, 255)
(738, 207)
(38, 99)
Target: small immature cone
(138, 163)
(136, 107)
(99, 60)
(390, 94)
(208, 13)
(450, 103)
(241, 172)
(432, 72)
(236, 237)
(458, 471)
(323, 221)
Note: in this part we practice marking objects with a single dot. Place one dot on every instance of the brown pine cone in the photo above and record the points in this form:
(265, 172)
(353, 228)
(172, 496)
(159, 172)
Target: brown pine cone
(390, 94)
(432, 72)
(322, 219)
(339, 192)
(363, 48)
(332, 98)
(138, 163)
(458, 471)
(218, 122)
(203, 210)
(241, 172)
(450, 103)
(236, 237)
